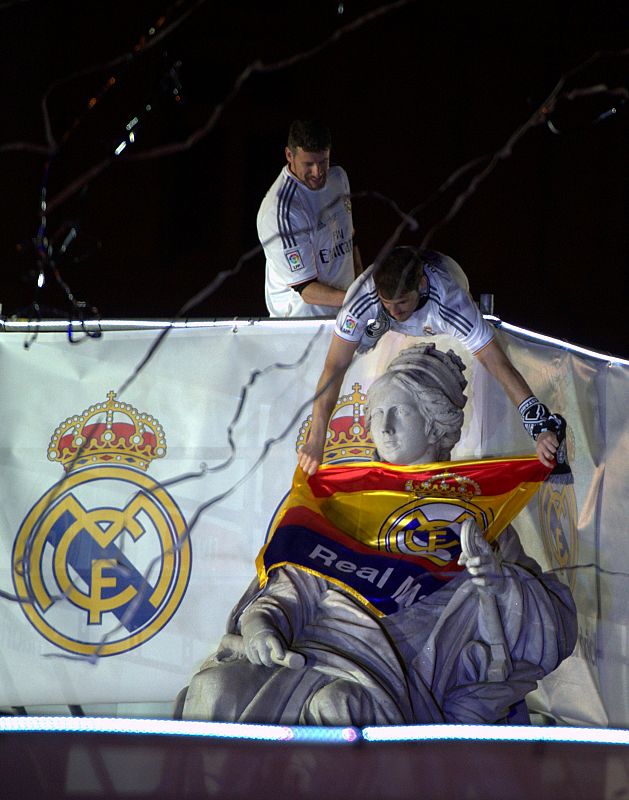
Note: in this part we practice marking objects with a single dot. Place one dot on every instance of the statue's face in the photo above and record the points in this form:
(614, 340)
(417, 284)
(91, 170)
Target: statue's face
(397, 428)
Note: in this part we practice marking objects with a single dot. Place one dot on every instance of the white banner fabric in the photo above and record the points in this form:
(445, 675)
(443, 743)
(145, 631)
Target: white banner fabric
(211, 424)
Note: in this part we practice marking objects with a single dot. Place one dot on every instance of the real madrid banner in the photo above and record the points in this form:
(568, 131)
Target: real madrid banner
(384, 532)
(131, 520)
(136, 496)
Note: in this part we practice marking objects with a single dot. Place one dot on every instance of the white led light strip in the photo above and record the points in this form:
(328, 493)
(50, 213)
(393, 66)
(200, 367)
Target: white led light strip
(283, 733)
(222, 730)
(495, 733)
(540, 337)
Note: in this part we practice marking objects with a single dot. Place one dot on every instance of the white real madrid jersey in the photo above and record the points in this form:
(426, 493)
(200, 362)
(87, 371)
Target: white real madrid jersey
(449, 308)
(306, 235)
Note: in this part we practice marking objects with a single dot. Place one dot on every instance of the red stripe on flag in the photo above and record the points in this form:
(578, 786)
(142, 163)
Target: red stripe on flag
(495, 477)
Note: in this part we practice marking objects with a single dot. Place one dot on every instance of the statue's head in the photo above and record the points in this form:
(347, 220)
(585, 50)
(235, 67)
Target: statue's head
(415, 409)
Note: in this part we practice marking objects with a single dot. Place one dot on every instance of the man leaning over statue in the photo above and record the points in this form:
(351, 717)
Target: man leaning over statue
(420, 293)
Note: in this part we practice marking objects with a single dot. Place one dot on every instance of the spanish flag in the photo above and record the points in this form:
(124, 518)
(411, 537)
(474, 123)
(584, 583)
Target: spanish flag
(390, 535)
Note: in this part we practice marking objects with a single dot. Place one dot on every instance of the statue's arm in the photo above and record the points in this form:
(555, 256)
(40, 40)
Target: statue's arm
(275, 618)
(537, 611)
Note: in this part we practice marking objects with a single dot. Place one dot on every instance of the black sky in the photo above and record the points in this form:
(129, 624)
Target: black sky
(410, 97)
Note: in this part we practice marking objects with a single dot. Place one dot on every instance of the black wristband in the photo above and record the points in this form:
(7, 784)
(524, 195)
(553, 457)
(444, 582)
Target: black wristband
(299, 287)
(535, 416)
(537, 419)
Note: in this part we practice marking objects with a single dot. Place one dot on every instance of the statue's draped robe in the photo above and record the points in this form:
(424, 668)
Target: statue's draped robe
(426, 663)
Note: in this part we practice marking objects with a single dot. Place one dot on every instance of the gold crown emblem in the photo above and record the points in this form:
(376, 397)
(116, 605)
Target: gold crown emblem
(108, 433)
(445, 484)
(347, 437)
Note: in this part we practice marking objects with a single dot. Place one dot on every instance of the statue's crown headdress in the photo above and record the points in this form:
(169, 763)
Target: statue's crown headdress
(108, 433)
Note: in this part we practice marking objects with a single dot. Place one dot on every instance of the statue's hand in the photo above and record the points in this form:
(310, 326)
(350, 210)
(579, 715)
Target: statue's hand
(480, 559)
(262, 643)
(230, 648)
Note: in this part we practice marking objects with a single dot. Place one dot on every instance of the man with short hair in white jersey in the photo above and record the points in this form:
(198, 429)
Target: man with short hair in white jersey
(305, 227)
(420, 293)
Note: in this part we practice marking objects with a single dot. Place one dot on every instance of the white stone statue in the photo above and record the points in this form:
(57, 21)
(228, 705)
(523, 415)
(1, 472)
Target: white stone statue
(303, 651)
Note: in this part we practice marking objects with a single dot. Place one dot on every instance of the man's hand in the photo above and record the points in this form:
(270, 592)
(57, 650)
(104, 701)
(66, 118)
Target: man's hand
(548, 430)
(546, 446)
(310, 456)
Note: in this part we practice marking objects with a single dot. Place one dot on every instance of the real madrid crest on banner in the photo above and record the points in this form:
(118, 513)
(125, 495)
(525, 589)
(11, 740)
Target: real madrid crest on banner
(558, 518)
(102, 560)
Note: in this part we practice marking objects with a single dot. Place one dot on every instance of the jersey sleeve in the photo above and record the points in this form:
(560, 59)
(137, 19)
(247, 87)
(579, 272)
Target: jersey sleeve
(344, 180)
(457, 313)
(360, 307)
(287, 237)
(461, 314)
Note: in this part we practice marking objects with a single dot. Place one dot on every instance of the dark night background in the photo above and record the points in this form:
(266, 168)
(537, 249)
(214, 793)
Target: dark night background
(410, 97)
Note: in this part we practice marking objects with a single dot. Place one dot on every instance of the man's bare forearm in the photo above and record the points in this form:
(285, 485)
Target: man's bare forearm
(328, 387)
(493, 358)
(320, 294)
(327, 394)
(358, 262)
